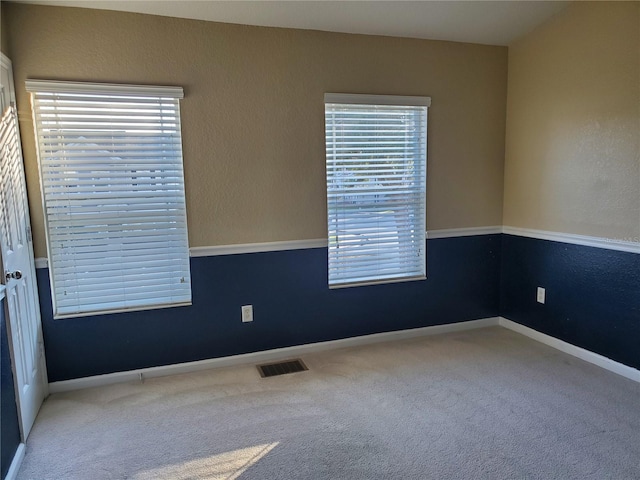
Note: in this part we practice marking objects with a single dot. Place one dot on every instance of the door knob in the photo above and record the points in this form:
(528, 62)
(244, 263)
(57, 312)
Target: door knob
(16, 275)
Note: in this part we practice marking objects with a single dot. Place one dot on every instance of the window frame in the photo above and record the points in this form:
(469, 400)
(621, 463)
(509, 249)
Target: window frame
(411, 102)
(158, 94)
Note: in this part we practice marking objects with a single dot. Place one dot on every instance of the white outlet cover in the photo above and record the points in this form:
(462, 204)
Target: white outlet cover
(247, 313)
(541, 295)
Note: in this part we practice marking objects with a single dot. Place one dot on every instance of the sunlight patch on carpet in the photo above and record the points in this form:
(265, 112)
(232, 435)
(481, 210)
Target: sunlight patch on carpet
(224, 466)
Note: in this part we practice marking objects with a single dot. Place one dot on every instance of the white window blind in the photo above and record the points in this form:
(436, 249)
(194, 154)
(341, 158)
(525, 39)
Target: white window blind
(111, 173)
(376, 152)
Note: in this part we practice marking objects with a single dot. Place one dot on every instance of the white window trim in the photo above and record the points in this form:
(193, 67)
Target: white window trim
(109, 88)
(357, 99)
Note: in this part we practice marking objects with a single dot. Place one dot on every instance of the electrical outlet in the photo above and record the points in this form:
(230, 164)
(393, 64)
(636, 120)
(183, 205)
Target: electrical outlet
(541, 295)
(247, 313)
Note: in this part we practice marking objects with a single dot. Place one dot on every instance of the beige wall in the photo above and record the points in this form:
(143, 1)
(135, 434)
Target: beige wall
(573, 123)
(253, 114)
(4, 33)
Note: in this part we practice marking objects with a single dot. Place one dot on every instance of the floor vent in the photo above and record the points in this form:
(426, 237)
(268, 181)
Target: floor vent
(281, 368)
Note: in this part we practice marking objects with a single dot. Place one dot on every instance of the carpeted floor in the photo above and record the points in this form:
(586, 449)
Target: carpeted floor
(482, 404)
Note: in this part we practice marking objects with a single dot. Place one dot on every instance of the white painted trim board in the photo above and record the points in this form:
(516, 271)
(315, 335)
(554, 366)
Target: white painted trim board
(463, 232)
(257, 247)
(18, 457)
(581, 353)
(282, 353)
(241, 248)
(264, 356)
(623, 245)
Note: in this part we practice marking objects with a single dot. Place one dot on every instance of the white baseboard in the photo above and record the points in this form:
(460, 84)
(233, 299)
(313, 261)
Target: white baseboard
(265, 356)
(12, 473)
(586, 355)
(287, 352)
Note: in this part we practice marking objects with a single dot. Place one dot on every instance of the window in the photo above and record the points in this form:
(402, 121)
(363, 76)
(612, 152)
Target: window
(110, 159)
(376, 149)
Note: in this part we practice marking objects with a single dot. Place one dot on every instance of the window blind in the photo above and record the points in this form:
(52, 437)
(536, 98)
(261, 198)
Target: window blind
(110, 159)
(376, 188)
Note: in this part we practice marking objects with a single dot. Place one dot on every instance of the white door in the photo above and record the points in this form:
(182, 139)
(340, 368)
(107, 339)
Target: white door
(18, 266)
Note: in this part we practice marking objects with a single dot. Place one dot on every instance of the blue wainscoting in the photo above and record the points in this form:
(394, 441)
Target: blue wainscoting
(292, 306)
(592, 294)
(9, 424)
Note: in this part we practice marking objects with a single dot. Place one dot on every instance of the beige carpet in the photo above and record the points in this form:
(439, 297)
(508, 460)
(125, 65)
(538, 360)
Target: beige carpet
(479, 404)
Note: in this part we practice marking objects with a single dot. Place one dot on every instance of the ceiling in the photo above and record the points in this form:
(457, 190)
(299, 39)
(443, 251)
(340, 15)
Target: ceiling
(476, 21)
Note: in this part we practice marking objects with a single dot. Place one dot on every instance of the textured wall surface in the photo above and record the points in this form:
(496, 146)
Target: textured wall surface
(4, 33)
(253, 113)
(592, 294)
(9, 423)
(292, 306)
(254, 164)
(573, 165)
(573, 123)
